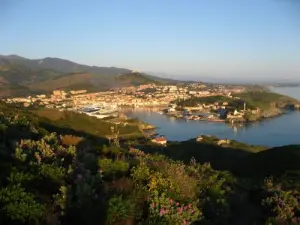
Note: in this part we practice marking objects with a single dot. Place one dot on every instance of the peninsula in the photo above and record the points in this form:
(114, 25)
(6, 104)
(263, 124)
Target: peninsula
(245, 106)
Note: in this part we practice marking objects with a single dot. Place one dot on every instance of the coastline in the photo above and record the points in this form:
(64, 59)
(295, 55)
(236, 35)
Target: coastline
(265, 114)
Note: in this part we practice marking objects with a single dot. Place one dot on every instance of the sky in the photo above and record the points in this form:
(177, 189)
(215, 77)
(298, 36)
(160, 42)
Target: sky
(187, 39)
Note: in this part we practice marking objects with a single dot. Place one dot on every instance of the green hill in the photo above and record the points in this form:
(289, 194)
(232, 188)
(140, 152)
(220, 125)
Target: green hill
(21, 76)
(265, 99)
(272, 162)
(64, 82)
(16, 79)
(134, 78)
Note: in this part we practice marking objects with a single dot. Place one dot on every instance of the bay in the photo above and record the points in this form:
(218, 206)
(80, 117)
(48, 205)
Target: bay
(278, 131)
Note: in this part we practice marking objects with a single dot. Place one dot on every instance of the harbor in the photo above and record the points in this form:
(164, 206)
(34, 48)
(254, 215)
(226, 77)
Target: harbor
(277, 131)
(195, 115)
(98, 111)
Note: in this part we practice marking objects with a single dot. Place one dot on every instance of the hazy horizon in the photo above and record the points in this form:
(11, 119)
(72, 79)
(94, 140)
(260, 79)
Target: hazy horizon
(242, 41)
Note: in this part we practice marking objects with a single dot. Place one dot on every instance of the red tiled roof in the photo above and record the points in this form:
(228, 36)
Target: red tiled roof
(159, 139)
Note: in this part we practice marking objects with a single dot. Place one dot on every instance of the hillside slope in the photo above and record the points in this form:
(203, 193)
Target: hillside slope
(21, 76)
(135, 78)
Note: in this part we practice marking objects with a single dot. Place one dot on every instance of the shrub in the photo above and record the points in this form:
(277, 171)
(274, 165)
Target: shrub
(282, 206)
(163, 210)
(20, 205)
(112, 168)
(61, 199)
(17, 177)
(52, 172)
(112, 150)
(119, 209)
(141, 172)
(162, 184)
(187, 185)
(215, 190)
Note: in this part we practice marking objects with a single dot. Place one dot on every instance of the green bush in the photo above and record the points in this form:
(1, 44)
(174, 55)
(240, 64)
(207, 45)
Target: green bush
(119, 209)
(20, 205)
(112, 168)
(52, 172)
(282, 206)
(18, 177)
(141, 172)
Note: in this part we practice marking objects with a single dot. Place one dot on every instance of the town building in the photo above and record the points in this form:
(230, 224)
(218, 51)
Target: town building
(159, 140)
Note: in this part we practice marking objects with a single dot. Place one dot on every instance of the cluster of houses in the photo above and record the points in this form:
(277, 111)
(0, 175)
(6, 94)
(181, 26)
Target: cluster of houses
(148, 95)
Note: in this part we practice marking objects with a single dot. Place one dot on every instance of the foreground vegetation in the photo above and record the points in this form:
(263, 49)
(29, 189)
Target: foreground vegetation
(62, 177)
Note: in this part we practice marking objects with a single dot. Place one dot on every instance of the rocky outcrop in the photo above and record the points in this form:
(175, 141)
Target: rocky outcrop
(272, 112)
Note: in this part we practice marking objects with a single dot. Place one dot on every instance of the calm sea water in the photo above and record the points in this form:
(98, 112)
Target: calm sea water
(282, 130)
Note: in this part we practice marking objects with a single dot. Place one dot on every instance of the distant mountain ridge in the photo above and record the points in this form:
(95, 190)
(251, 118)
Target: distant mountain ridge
(62, 65)
(22, 76)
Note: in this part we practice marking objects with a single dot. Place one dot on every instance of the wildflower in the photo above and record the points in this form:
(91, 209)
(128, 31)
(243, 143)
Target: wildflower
(171, 201)
(184, 222)
(185, 207)
(190, 205)
(177, 203)
(162, 212)
(179, 210)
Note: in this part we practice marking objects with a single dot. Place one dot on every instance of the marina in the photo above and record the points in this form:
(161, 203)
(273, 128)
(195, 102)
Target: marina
(98, 111)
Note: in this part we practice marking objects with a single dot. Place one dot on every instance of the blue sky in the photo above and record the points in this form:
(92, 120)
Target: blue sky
(240, 39)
